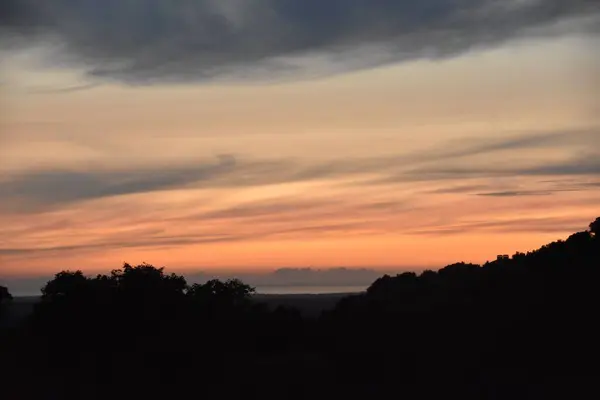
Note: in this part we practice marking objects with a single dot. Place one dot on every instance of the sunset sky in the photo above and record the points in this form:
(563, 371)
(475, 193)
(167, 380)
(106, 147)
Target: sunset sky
(259, 134)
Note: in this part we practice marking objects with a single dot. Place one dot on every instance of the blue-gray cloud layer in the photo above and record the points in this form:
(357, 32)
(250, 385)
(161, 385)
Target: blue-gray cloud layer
(142, 41)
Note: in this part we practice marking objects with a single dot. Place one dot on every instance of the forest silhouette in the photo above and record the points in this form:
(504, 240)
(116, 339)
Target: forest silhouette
(517, 327)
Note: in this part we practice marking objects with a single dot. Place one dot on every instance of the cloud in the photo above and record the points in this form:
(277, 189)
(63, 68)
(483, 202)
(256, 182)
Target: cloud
(144, 239)
(108, 244)
(140, 227)
(460, 189)
(48, 186)
(265, 208)
(149, 41)
(551, 188)
(454, 160)
(517, 193)
(279, 219)
(587, 165)
(506, 189)
(39, 189)
(463, 148)
(559, 225)
(58, 90)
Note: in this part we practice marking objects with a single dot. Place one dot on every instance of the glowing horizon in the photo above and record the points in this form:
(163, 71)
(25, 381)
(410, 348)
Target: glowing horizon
(408, 163)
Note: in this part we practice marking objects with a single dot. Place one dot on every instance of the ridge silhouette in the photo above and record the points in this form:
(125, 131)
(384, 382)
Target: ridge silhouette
(517, 327)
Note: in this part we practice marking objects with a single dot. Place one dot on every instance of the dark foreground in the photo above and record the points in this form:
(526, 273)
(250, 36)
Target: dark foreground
(520, 327)
(308, 305)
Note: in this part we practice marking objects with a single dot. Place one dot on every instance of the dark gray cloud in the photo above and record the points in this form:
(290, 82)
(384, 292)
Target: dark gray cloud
(583, 165)
(517, 193)
(48, 187)
(460, 189)
(506, 189)
(552, 188)
(588, 165)
(143, 41)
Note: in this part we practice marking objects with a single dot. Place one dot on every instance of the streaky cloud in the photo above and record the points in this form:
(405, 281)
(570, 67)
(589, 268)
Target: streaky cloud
(517, 193)
(557, 225)
(583, 165)
(65, 89)
(39, 189)
(157, 241)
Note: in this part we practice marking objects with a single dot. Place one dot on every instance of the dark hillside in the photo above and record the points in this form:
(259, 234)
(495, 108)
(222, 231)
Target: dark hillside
(516, 327)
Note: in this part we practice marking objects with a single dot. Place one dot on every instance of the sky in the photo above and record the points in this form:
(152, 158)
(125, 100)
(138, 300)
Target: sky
(253, 135)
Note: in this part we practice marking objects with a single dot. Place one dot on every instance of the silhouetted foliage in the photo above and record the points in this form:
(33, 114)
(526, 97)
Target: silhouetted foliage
(232, 293)
(528, 315)
(4, 294)
(520, 326)
(595, 226)
(5, 297)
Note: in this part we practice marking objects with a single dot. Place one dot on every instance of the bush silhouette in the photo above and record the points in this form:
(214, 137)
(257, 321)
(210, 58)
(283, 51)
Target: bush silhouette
(5, 295)
(595, 227)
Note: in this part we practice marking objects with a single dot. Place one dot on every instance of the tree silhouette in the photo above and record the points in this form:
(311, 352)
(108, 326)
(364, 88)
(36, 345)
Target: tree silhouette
(4, 294)
(232, 291)
(5, 297)
(223, 301)
(522, 324)
(595, 227)
(66, 285)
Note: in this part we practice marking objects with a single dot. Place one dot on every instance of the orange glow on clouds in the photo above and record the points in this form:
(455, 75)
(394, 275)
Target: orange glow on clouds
(409, 166)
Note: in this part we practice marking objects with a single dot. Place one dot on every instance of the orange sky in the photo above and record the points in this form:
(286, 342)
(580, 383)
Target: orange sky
(409, 165)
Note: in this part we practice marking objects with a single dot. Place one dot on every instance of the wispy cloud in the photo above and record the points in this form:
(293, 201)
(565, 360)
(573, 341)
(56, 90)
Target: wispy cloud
(148, 41)
(516, 193)
(39, 189)
(48, 187)
(63, 89)
(134, 228)
(145, 239)
(117, 245)
(559, 225)
(460, 189)
(86, 212)
(588, 165)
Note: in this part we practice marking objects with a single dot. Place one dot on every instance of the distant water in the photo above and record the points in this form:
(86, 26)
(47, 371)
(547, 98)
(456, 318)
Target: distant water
(309, 289)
